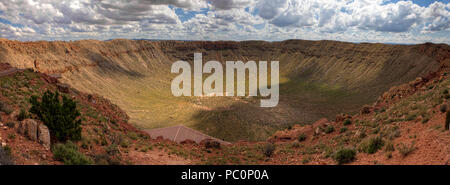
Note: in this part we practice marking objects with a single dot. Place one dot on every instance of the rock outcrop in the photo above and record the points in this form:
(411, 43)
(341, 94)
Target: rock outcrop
(35, 131)
(44, 136)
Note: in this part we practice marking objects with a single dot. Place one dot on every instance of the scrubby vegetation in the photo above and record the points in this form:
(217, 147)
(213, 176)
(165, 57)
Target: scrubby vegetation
(347, 122)
(5, 158)
(329, 129)
(301, 137)
(5, 108)
(69, 154)
(60, 117)
(405, 149)
(22, 115)
(212, 144)
(371, 145)
(344, 155)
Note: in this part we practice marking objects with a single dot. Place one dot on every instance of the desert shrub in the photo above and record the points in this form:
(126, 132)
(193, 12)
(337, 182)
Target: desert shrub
(447, 121)
(301, 137)
(5, 156)
(132, 135)
(343, 129)
(61, 118)
(391, 132)
(105, 159)
(268, 149)
(5, 108)
(8, 150)
(388, 155)
(445, 91)
(425, 120)
(112, 149)
(22, 115)
(443, 108)
(212, 144)
(405, 150)
(389, 147)
(344, 155)
(371, 145)
(329, 129)
(411, 117)
(10, 124)
(11, 136)
(347, 122)
(68, 153)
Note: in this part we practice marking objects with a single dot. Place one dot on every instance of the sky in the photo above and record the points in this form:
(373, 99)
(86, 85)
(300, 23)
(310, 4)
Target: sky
(383, 21)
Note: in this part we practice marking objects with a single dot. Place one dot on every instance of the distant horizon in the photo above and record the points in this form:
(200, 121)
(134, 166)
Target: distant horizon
(388, 43)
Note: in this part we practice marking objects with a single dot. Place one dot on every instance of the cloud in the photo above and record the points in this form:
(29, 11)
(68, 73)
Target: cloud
(230, 4)
(437, 17)
(356, 20)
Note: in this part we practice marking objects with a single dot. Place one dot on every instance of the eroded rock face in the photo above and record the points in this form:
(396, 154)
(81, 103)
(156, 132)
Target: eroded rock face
(35, 132)
(28, 128)
(44, 136)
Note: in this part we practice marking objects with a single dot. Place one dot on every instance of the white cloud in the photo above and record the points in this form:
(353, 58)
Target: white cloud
(230, 4)
(356, 20)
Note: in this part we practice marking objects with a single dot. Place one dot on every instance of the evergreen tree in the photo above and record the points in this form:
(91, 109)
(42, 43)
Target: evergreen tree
(60, 118)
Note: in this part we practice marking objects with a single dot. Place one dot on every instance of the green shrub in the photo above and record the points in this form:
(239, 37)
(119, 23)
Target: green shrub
(343, 156)
(112, 150)
(132, 135)
(105, 159)
(268, 149)
(301, 137)
(61, 118)
(5, 108)
(405, 150)
(212, 144)
(347, 122)
(8, 150)
(371, 145)
(68, 153)
(5, 156)
(329, 129)
(22, 115)
(389, 147)
(10, 124)
(443, 108)
(445, 91)
(343, 129)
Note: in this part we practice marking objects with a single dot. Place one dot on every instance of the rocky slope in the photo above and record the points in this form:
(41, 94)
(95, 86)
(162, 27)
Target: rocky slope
(318, 78)
(107, 137)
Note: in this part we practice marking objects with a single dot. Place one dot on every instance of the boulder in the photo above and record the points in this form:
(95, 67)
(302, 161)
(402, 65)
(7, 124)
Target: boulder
(44, 136)
(63, 87)
(28, 127)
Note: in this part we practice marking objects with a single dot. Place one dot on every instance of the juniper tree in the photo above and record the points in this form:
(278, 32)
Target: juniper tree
(61, 118)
